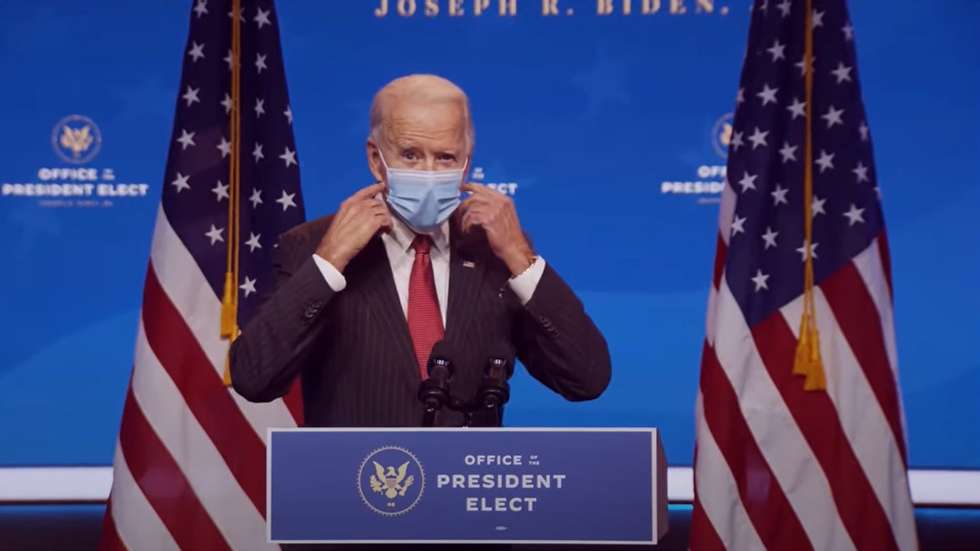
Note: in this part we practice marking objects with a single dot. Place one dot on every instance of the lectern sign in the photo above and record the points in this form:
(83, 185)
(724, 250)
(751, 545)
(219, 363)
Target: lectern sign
(466, 485)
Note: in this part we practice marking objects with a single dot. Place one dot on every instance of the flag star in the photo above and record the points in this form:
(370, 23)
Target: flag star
(863, 129)
(226, 103)
(848, 31)
(797, 108)
(253, 242)
(817, 18)
(758, 138)
(854, 215)
(777, 51)
(764, 6)
(186, 139)
(748, 181)
(779, 195)
(769, 237)
(738, 225)
(289, 114)
(197, 51)
(260, 63)
(788, 152)
(741, 96)
(262, 18)
(190, 96)
(229, 59)
(833, 116)
(241, 13)
(224, 147)
(257, 152)
(181, 183)
(220, 191)
(215, 234)
(760, 280)
(813, 250)
(767, 95)
(802, 66)
(826, 161)
(784, 7)
(736, 141)
(248, 286)
(288, 157)
(256, 198)
(861, 172)
(201, 8)
(286, 200)
(817, 206)
(259, 107)
(842, 72)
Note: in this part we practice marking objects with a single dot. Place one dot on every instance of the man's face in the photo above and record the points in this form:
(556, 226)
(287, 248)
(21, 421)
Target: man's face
(421, 135)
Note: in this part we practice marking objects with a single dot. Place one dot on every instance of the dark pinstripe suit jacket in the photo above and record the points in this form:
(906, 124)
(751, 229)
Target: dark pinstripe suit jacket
(353, 348)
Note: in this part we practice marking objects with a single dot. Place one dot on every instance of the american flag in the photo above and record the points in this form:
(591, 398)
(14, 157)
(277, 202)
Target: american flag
(189, 466)
(778, 466)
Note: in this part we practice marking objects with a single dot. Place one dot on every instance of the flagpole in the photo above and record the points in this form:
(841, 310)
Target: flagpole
(808, 361)
(229, 302)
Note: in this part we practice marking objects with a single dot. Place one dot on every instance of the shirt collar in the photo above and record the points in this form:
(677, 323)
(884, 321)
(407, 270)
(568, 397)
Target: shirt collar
(404, 236)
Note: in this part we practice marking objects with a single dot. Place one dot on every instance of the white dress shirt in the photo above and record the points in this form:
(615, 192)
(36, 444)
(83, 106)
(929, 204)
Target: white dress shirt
(401, 256)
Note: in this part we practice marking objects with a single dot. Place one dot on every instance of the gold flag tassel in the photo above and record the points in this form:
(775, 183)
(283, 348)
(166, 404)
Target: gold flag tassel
(229, 299)
(807, 361)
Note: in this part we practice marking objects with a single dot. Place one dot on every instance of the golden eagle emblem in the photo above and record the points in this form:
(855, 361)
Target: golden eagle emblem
(76, 140)
(390, 482)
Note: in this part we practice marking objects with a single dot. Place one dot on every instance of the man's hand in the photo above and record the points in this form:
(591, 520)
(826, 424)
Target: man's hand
(359, 218)
(495, 212)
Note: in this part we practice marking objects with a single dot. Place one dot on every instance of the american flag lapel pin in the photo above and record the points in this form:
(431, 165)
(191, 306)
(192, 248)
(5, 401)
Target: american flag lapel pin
(469, 264)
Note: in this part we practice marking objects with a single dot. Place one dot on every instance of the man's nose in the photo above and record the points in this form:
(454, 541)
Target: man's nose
(430, 163)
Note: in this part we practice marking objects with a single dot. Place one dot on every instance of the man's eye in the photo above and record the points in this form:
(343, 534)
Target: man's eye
(446, 157)
(409, 155)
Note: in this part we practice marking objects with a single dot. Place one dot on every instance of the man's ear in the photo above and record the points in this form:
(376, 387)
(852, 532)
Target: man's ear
(374, 160)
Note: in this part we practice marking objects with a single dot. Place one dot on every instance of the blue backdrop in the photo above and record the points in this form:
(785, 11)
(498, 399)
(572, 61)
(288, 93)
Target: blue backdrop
(598, 120)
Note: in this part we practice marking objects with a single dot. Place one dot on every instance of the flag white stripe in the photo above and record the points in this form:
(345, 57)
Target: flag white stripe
(718, 492)
(137, 524)
(793, 463)
(861, 417)
(181, 278)
(872, 269)
(198, 459)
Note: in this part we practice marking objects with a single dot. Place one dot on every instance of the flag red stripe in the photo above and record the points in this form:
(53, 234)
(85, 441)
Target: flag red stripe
(164, 485)
(766, 504)
(817, 418)
(109, 540)
(886, 261)
(720, 256)
(860, 323)
(209, 400)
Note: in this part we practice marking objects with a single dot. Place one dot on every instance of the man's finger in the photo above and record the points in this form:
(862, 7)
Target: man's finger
(474, 188)
(367, 192)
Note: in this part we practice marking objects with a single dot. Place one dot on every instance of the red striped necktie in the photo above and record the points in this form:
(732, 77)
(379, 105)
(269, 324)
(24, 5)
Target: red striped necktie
(424, 319)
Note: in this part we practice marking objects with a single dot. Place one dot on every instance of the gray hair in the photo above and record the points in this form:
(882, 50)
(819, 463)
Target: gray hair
(429, 87)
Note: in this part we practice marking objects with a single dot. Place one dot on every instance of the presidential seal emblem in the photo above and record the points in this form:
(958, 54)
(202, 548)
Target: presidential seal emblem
(76, 139)
(721, 134)
(391, 481)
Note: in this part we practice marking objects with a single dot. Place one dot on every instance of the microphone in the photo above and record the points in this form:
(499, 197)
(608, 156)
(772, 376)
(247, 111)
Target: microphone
(434, 391)
(494, 391)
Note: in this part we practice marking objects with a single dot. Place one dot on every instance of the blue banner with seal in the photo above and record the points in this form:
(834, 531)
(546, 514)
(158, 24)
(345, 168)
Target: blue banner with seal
(466, 485)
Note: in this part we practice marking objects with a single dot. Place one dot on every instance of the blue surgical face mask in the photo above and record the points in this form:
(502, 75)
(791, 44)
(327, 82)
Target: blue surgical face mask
(423, 199)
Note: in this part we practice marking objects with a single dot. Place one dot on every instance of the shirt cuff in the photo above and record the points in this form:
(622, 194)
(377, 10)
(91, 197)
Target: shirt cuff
(524, 283)
(335, 279)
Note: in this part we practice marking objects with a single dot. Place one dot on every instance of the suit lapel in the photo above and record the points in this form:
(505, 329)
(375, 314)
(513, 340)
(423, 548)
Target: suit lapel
(466, 272)
(381, 296)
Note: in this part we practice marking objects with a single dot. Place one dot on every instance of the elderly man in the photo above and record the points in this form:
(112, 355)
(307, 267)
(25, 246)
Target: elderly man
(364, 294)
